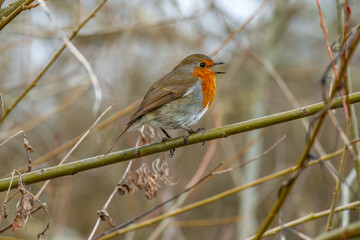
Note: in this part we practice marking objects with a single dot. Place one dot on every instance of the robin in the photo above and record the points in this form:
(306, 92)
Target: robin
(178, 100)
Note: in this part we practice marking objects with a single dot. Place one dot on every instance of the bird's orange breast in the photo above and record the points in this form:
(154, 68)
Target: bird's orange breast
(207, 83)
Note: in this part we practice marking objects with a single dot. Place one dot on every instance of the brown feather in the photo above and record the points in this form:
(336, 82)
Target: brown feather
(173, 86)
(164, 91)
(167, 89)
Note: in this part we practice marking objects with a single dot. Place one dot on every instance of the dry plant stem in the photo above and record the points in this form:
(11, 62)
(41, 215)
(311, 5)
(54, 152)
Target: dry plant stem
(70, 99)
(351, 231)
(99, 219)
(79, 56)
(115, 229)
(201, 169)
(328, 47)
(343, 29)
(218, 196)
(342, 134)
(283, 87)
(339, 180)
(251, 160)
(115, 191)
(179, 202)
(11, 137)
(10, 224)
(190, 187)
(53, 59)
(239, 29)
(149, 149)
(74, 147)
(3, 208)
(308, 218)
(10, 12)
(286, 189)
(206, 222)
(110, 30)
(72, 142)
(1, 3)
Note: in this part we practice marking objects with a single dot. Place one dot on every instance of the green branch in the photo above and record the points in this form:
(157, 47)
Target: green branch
(10, 12)
(149, 149)
(350, 231)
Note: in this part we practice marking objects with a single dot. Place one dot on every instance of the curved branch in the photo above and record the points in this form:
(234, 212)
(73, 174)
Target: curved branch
(149, 149)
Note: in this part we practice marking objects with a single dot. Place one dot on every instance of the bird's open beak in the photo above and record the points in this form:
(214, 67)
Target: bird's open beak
(219, 63)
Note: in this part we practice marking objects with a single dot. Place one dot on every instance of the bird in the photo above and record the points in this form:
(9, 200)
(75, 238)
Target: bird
(178, 100)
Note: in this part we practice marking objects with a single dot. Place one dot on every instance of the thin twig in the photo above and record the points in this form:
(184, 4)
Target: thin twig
(308, 218)
(11, 11)
(79, 56)
(214, 172)
(239, 29)
(10, 224)
(328, 47)
(251, 160)
(75, 147)
(201, 170)
(127, 170)
(219, 196)
(302, 160)
(51, 62)
(56, 151)
(33, 123)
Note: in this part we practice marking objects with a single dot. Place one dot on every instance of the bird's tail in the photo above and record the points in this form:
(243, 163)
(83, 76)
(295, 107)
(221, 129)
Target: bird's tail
(122, 131)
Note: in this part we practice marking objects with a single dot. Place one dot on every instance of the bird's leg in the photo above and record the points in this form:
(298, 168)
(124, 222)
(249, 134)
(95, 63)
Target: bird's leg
(172, 151)
(166, 134)
(191, 131)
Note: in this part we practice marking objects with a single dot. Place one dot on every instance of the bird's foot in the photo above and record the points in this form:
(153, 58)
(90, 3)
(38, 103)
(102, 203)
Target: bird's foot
(191, 131)
(171, 152)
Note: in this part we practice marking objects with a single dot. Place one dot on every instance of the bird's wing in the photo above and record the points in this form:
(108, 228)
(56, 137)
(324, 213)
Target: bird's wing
(167, 89)
(164, 91)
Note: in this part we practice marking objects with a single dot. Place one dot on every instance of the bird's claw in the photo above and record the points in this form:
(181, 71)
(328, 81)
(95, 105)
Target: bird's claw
(185, 139)
(171, 152)
(191, 131)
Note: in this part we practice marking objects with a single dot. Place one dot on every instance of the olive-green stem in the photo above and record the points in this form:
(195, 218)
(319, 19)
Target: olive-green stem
(287, 188)
(351, 231)
(338, 180)
(9, 12)
(111, 234)
(132, 153)
(308, 218)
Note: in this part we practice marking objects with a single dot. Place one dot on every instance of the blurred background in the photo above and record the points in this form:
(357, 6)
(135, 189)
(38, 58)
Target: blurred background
(130, 45)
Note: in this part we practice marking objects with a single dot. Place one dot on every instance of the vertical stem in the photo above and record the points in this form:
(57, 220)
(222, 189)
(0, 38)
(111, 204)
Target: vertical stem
(338, 181)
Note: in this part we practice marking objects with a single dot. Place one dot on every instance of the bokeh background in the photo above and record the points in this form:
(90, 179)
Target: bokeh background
(131, 44)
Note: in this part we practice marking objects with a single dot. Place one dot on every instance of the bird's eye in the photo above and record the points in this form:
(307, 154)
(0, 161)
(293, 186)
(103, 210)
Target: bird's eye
(202, 64)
